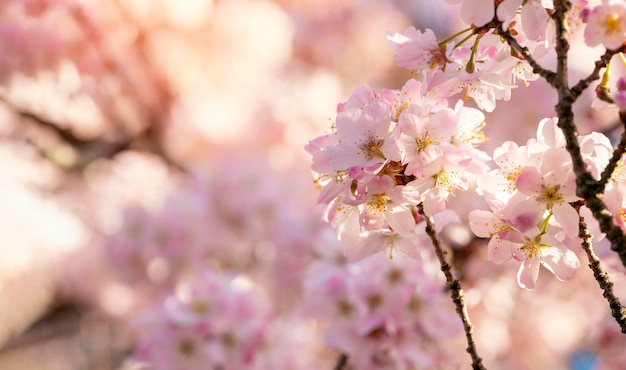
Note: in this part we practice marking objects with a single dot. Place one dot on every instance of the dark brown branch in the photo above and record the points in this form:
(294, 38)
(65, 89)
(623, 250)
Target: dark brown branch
(456, 292)
(617, 310)
(595, 74)
(341, 362)
(547, 74)
(559, 16)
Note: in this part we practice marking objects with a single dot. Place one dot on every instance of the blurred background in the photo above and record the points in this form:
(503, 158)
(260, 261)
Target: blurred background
(121, 111)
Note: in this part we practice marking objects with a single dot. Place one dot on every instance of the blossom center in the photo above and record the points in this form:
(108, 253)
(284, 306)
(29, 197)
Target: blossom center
(400, 105)
(423, 141)
(550, 195)
(611, 23)
(531, 249)
(437, 59)
(374, 301)
(511, 176)
(372, 146)
(379, 203)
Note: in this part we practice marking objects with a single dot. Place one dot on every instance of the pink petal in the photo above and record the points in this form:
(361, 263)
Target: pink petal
(561, 263)
(528, 273)
(529, 181)
(499, 251)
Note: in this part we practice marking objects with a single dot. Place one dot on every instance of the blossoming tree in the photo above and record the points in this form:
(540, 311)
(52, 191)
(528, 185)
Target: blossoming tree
(393, 158)
(455, 207)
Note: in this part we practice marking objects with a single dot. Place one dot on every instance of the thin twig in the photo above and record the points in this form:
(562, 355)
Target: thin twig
(601, 63)
(547, 74)
(456, 292)
(617, 310)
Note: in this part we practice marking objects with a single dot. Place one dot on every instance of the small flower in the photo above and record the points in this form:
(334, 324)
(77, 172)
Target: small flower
(365, 139)
(553, 187)
(606, 24)
(543, 250)
(417, 51)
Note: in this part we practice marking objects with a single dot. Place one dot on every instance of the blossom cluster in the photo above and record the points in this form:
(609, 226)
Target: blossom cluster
(389, 152)
(384, 314)
(485, 71)
(393, 151)
(532, 198)
(208, 270)
(224, 320)
(214, 320)
(230, 214)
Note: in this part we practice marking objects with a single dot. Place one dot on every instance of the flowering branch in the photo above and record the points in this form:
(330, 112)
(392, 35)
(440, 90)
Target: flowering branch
(456, 292)
(595, 74)
(547, 74)
(394, 154)
(617, 310)
(586, 186)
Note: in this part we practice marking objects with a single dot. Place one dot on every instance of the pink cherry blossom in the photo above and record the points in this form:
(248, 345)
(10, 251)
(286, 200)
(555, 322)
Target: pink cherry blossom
(365, 138)
(484, 82)
(421, 130)
(487, 224)
(376, 308)
(533, 253)
(532, 248)
(384, 202)
(531, 218)
(417, 51)
(606, 24)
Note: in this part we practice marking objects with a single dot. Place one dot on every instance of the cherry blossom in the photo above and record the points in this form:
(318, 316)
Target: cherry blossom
(213, 253)
(417, 51)
(552, 187)
(399, 303)
(365, 139)
(192, 337)
(532, 248)
(530, 195)
(606, 24)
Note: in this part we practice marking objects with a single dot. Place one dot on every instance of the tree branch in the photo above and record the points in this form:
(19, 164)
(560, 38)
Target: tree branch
(601, 63)
(617, 310)
(547, 74)
(586, 186)
(456, 292)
